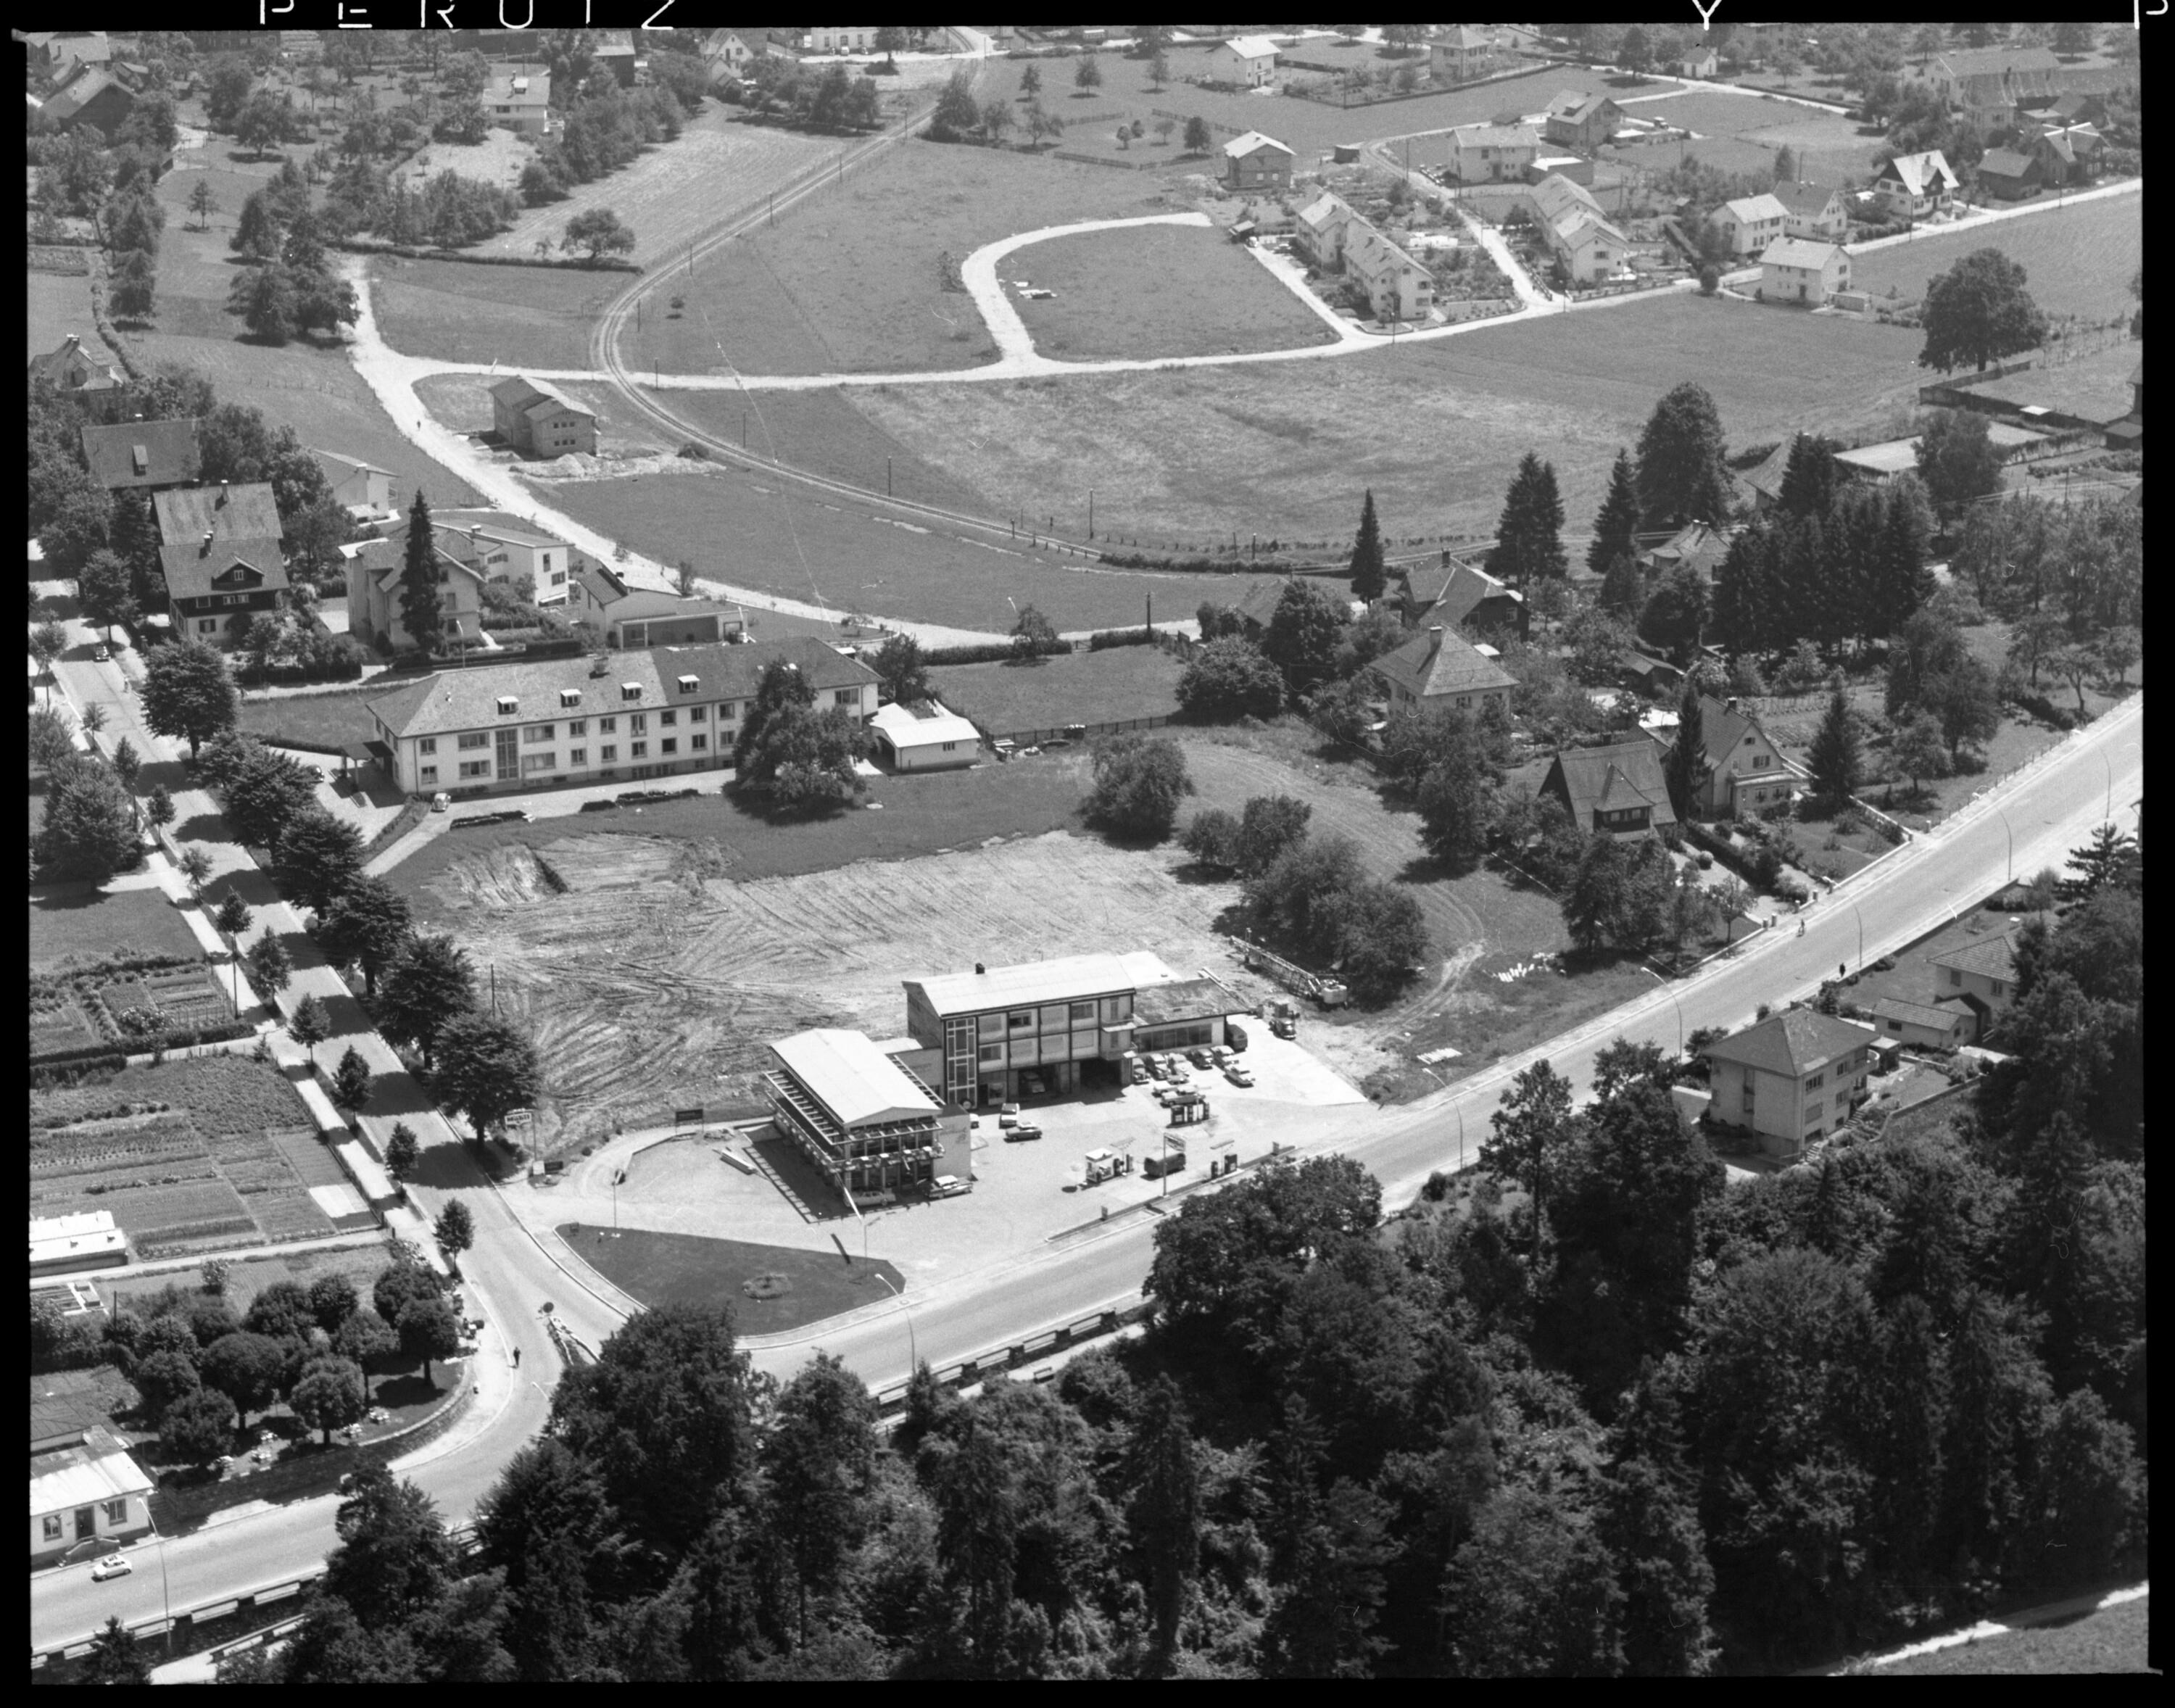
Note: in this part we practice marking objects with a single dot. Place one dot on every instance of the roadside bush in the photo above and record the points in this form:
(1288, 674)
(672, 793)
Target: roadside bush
(1103, 639)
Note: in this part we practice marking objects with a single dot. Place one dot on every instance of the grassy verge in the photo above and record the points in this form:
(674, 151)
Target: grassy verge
(2115, 1639)
(688, 1269)
(74, 920)
(529, 316)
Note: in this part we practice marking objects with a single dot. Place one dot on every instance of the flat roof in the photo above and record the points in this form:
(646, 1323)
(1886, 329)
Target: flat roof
(856, 1082)
(97, 1468)
(1187, 999)
(1031, 983)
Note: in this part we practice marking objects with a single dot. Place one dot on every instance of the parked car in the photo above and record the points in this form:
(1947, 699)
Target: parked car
(1238, 1075)
(102, 656)
(1200, 1057)
(1031, 1084)
(1156, 1068)
(1221, 1055)
(113, 1565)
(1008, 1116)
(1025, 1129)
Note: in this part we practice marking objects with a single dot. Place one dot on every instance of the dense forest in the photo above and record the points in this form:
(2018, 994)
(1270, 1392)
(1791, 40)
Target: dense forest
(1600, 1415)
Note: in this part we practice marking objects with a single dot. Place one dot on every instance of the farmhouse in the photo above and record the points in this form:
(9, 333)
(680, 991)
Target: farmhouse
(1615, 791)
(925, 737)
(143, 456)
(2068, 153)
(1005, 1032)
(1321, 227)
(1583, 121)
(1795, 1077)
(519, 99)
(1462, 597)
(1440, 668)
(1750, 224)
(1462, 54)
(85, 1492)
(1793, 269)
(374, 601)
(2008, 175)
(1583, 242)
(1815, 212)
(864, 1119)
(637, 617)
(1397, 287)
(93, 97)
(536, 420)
(72, 368)
(1249, 61)
(1986, 86)
(215, 587)
(1914, 187)
(655, 713)
(1491, 154)
(1741, 771)
(363, 490)
(1255, 162)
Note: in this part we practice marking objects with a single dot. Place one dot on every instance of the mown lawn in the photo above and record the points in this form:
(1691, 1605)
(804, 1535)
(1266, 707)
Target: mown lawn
(76, 921)
(688, 1269)
(334, 719)
(2079, 258)
(520, 316)
(2114, 1640)
(1111, 686)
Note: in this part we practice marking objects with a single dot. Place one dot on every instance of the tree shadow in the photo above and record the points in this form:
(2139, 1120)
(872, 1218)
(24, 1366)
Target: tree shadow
(765, 809)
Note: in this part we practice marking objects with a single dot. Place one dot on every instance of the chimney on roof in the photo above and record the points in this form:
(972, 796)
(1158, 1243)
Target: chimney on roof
(222, 495)
(1732, 703)
(71, 342)
(980, 968)
(1435, 638)
(204, 549)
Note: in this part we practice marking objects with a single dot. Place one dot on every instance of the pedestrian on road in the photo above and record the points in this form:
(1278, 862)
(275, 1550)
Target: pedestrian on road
(1801, 928)
(517, 1358)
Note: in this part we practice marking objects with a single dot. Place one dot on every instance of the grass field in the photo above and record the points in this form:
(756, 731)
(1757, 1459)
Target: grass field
(2078, 259)
(360, 1264)
(1435, 429)
(1154, 291)
(74, 921)
(688, 1269)
(60, 304)
(851, 281)
(338, 719)
(523, 316)
(1742, 133)
(741, 529)
(1104, 687)
(2113, 1640)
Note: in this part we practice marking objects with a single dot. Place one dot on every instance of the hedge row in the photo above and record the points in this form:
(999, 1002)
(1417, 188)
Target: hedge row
(348, 670)
(1201, 565)
(1104, 639)
(985, 652)
(92, 1054)
(606, 265)
(275, 738)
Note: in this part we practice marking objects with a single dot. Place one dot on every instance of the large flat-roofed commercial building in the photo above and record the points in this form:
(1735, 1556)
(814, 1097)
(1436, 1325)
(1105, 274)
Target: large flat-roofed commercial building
(1004, 1031)
(867, 1122)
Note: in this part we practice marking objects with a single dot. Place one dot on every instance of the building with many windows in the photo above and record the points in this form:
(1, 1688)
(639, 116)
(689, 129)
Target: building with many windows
(860, 1114)
(1797, 1076)
(655, 713)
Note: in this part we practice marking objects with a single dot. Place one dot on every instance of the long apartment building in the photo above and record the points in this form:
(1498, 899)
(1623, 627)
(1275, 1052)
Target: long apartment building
(573, 720)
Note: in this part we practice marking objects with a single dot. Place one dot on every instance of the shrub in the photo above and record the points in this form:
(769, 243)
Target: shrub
(979, 652)
(1103, 639)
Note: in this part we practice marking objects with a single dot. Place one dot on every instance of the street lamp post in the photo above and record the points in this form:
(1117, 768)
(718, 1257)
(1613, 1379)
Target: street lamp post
(2108, 817)
(2010, 835)
(1860, 918)
(913, 1353)
(1674, 1003)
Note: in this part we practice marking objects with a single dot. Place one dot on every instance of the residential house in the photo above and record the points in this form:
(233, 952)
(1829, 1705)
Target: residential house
(2067, 154)
(537, 420)
(2076, 108)
(143, 456)
(668, 711)
(57, 50)
(1696, 546)
(216, 584)
(1794, 269)
(363, 490)
(1255, 162)
(507, 549)
(1914, 187)
(1397, 287)
(186, 515)
(1652, 676)
(1700, 62)
(1577, 120)
(729, 53)
(2010, 175)
(619, 60)
(1257, 606)
(925, 737)
(519, 99)
(1924, 1025)
(87, 1495)
(1988, 86)
(1492, 153)
(1440, 667)
(94, 98)
(1815, 212)
(1616, 791)
(635, 618)
(1979, 976)
(1461, 55)
(2128, 433)
(1581, 240)
(375, 603)
(1750, 223)
(1321, 227)
(1741, 771)
(1249, 61)
(1763, 484)
(1794, 1078)
(73, 369)
(1460, 597)
(864, 1119)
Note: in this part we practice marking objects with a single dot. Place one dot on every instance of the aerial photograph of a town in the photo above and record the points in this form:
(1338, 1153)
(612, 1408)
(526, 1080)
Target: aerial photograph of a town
(1340, 876)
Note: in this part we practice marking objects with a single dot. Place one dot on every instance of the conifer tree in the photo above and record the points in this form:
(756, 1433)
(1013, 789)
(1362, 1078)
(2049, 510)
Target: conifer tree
(1528, 540)
(1808, 481)
(1740, 593)
(1834, 759)
(419, 578)
(1687, 758)
(1616, 527)
(1622, 591)
(1368, 574)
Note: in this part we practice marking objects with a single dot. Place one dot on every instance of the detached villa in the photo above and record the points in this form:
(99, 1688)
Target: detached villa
(1441, 668)
(1795, 1077)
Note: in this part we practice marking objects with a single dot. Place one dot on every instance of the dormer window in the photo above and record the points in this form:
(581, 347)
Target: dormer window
(630, 691)
(689, 684)
(507, 706)
(570, 697)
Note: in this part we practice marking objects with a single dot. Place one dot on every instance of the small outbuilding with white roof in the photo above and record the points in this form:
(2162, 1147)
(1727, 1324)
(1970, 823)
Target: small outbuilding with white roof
(925, 736)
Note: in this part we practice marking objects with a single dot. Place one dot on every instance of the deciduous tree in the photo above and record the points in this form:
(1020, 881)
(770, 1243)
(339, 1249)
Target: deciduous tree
(368, 922)
(316, 857)
(1229, 679)
(89, 829)
(1979, 312)
(1139, 781)
(188, 695)
(427, 986)
(1681, 474)
(486, 1068)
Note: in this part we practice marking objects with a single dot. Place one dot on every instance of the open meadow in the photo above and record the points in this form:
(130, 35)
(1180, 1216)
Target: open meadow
(1434, 428)
(2078, 259)
(1153, 291)
(520, 316)
(1111, 686)
(86, 924)
(1743, 133)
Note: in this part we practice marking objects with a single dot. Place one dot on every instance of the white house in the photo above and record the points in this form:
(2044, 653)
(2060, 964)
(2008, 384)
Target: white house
(1793, 269)
(1397, 287)
(1700, 62)
(1462, 52)
(1578, 234)
(362, 490)
(1324, 226)
(1914, 187)
(1492, 153)
(507, 553)
(925, 737)
(1248, 60)
(85, 1492)
(1813, 211)
(519, 99)
(1750, 223)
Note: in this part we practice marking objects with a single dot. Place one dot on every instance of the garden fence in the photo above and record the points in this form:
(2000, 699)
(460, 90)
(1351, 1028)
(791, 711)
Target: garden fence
(1036, 738)
(1105, 161)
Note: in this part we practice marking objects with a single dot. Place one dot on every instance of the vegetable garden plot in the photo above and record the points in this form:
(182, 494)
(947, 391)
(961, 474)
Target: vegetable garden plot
(292, 1214)
(310, 1158)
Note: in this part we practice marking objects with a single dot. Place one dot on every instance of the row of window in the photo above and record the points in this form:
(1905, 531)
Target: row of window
(576, 756)
(54, 1523)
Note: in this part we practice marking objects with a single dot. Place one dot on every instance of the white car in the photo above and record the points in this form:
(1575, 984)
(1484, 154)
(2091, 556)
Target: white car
(113, 1565)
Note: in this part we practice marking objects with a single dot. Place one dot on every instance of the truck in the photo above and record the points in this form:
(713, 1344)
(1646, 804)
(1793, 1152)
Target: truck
(1330, 992)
